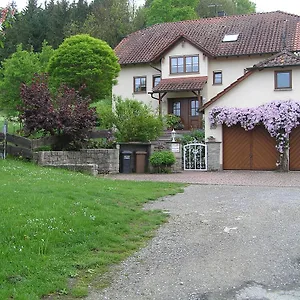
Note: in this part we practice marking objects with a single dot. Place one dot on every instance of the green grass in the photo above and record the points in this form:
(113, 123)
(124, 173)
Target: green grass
(60, 230)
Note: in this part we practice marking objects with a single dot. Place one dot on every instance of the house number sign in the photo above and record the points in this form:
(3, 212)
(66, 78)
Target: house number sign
(175, 147)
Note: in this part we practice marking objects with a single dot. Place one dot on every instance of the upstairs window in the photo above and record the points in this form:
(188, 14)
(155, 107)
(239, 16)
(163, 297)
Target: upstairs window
(217, 77)
(156, 80)
(184, 64)
(139, 84)
(283, 80)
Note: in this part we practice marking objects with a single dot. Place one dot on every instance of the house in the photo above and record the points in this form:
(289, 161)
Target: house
(187, 68)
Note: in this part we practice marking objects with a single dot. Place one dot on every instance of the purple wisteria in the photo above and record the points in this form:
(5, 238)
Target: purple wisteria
(278, 117)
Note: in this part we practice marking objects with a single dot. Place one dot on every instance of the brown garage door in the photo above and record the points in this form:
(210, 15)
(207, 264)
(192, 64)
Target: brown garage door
(295, 149)
(248, 150)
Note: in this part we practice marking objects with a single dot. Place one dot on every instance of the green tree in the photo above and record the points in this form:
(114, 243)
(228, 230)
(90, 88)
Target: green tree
(18, 69)
(134, 121)
(244, 7)
(57, 15)
(161, 11)
(32, 27)
(207, 8)
(113, 14)
(82, 60)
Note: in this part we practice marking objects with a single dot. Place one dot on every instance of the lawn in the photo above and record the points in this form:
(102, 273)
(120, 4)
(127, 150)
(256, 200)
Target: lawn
(60, 230)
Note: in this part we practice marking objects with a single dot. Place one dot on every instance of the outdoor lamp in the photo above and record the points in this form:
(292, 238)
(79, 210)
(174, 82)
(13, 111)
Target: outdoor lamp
(173, 134)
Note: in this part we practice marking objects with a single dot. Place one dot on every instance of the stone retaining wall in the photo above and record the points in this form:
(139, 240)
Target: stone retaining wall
(105, 160)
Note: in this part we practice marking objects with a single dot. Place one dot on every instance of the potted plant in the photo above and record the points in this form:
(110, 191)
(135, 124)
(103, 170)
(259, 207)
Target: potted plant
(162, 161)
(173, 122)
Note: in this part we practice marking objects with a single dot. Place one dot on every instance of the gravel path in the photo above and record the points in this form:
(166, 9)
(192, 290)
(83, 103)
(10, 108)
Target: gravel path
(221, 242)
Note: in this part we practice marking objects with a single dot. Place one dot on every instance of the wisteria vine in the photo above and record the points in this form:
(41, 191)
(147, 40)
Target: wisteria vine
(278, 117)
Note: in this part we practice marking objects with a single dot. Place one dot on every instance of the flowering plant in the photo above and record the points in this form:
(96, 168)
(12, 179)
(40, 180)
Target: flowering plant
(6, 19)
(278, 117)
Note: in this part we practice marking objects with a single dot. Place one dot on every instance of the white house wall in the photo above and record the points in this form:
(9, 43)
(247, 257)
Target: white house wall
(232, 68)
(180, 49)
(124, 87)
(255, 90)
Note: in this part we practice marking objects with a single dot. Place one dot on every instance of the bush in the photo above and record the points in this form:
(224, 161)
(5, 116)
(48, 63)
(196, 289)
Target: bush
(197, 136)
(162, 160)
(103, 107)
(173, 122)
(68, 116)
(133, 121)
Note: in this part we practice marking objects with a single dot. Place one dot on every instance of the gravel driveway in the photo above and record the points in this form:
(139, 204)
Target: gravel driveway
(221, 242)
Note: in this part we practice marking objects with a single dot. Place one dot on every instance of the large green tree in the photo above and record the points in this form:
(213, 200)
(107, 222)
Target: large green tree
(207, 8)
(82, 60)
(18, 69)
(161, 11)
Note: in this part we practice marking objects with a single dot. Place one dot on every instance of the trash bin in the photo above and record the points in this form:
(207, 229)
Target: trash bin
(126, 161)
(140, 161)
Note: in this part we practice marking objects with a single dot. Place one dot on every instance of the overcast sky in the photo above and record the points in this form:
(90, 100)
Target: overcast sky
(291, 6)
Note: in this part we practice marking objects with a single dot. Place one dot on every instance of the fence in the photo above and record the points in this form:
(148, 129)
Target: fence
(21, 146)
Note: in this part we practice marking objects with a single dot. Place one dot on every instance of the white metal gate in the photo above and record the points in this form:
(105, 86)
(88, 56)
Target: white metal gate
(195, 157)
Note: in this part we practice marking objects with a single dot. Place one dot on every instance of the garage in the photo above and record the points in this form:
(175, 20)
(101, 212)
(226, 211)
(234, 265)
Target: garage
(249, 150)
(295, 149)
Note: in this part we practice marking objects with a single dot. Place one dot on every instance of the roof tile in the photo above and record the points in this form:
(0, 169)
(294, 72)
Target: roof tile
(258, 34)
(181, 84)
(281, 59)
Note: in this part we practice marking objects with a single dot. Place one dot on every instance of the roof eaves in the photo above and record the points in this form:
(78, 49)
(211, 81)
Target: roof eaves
(226, 90)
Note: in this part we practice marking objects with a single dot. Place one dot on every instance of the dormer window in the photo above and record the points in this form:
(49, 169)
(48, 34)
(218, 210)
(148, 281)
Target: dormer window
(230, 37)
(184, 64)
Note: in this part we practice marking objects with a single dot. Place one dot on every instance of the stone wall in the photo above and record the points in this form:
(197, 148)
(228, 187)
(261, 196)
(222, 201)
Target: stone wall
(103, 160)
(213, 156)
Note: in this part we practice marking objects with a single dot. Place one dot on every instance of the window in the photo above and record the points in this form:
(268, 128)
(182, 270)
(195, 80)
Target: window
(139, 84)
(194, 108)
(230, 37)
(184, 64)
(217, 77)
(156, 80)
(283, 80)
(176, 109)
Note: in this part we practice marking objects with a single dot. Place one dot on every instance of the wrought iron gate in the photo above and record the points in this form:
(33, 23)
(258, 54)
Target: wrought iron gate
(195, 157)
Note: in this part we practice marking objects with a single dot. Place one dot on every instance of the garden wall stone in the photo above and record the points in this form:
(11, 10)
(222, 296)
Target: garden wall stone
(176, 148)
(213, 156)
(104, 160)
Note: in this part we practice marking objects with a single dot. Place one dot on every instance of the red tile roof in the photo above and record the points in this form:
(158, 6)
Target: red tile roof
(281, 59)
(181, 84)
(258, 33)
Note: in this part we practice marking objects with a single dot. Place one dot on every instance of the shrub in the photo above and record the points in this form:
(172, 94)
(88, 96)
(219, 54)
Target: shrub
(197, 136)
(173, 122)
(133, 121)
(162, 160)
(68, 116)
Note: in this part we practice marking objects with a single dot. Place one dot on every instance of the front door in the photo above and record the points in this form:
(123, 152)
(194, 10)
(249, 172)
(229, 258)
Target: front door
(187, 109)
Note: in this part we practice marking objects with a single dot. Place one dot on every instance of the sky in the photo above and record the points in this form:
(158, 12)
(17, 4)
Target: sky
(291, 6)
